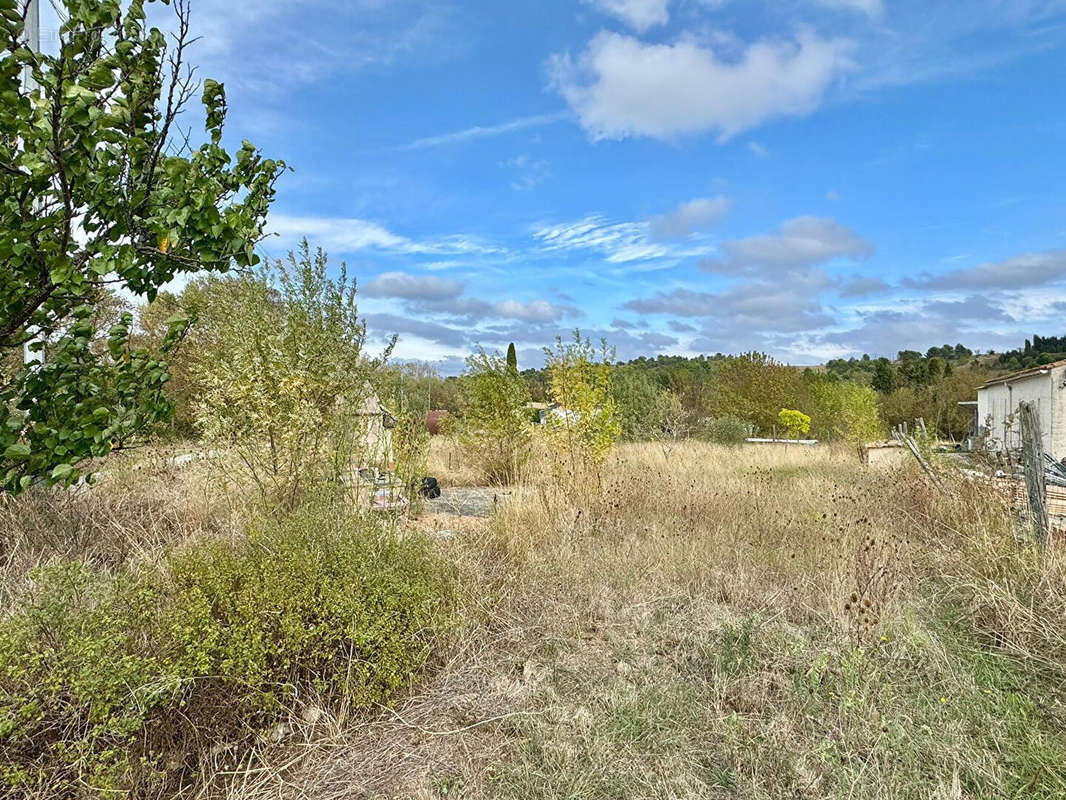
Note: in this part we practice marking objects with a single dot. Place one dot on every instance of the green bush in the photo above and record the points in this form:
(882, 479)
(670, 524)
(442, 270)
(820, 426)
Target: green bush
(496, 430)
(119, 682)
(726, 430)
(640, 402)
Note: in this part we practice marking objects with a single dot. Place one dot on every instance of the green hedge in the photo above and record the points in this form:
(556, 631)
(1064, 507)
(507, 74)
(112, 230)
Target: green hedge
(121, 681)
(726, 430)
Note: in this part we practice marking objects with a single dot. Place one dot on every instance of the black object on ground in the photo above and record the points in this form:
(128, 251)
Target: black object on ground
(429, 489)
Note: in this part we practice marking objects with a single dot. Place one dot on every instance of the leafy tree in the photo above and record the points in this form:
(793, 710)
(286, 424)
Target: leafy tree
(586, 425)
(512, 358)
(935, 367)
(151, 329)
(884, 378)
(795, 422)
(495, 429)
(845, 411)
(860, 420)
(641, 404)
(755, 387)
(282, 376)
(98, 190)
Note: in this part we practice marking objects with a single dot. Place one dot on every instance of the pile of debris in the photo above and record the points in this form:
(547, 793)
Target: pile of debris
(1054, 471)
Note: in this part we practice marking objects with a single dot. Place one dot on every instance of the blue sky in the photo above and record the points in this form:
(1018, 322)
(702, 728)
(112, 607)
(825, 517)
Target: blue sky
(811, 178)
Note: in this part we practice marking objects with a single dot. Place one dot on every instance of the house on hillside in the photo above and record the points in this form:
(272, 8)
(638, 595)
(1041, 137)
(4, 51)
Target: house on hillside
(998, 401)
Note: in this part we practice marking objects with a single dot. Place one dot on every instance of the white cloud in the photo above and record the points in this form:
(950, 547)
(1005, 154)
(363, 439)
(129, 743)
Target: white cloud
(413, 287)
(873, 8)
(757, 308)
(1028, 269)
(695, 215)
(349, 235)
(801, 242)
(385, 325)
(621, 87)
(637, 14)
(485, 131)
(758, 150)
(533, 311)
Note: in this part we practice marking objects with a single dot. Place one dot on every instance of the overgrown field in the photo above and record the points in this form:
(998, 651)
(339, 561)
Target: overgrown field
(688, 621)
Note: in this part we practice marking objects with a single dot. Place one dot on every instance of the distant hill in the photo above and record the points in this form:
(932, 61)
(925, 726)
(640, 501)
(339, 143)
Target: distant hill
(912, 367)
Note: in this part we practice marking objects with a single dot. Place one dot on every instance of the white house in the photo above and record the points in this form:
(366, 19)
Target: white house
(998, 401)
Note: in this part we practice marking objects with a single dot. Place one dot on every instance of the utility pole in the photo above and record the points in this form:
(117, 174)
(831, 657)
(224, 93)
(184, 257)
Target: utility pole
(32, 31)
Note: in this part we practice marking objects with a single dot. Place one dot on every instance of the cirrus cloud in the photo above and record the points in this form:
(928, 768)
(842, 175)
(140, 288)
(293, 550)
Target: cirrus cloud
(872, 8)
(349, 235)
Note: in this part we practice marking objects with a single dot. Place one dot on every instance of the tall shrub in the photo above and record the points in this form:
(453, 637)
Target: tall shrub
(642, 405)
(282, 374)
(495, 430)
(585, 427)
(844, 411)
(796, 423)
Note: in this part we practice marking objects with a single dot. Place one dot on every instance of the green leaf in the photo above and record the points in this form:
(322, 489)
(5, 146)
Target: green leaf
(18, 452)
(62, 471)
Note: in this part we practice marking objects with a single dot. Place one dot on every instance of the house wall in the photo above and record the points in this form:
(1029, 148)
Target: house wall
(1058, 412)
(885, 455)
(1001, 401)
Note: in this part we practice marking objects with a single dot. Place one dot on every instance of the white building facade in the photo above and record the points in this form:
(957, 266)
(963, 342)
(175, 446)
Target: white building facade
(998, 401)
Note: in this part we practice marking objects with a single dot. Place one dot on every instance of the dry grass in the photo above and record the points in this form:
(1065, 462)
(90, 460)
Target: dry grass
(695, 621)
(141, 506)
(449, 464)
(722, 623)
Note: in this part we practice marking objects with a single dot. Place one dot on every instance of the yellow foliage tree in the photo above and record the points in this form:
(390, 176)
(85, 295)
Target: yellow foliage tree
(795, 422)
(585, 426)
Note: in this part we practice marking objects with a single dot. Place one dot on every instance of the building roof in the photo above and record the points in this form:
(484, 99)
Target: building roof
(1025, 373)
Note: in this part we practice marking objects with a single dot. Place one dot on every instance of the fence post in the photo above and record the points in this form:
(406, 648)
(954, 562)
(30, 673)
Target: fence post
(1035, 480)
(900, 435)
